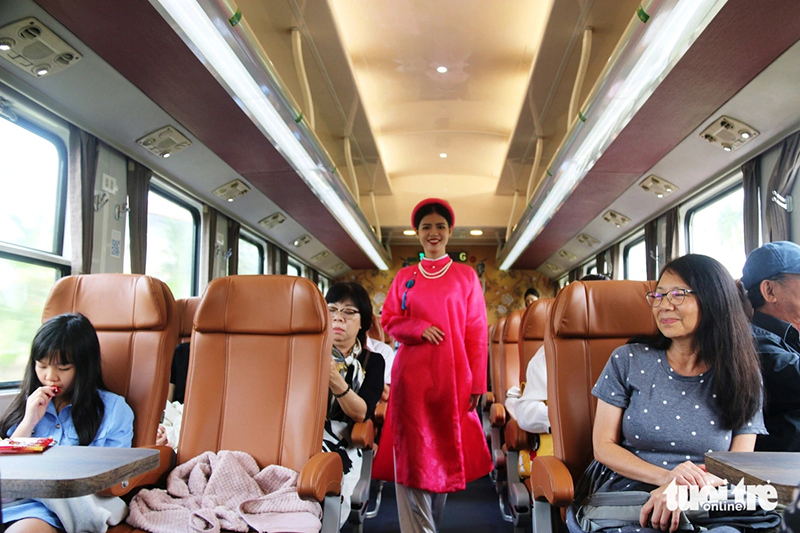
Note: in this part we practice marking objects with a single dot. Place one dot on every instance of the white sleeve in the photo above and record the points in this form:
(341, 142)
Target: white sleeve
(530, 409)
(387, 352)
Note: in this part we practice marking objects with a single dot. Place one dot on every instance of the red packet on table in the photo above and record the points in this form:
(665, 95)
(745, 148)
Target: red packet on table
(25, 444)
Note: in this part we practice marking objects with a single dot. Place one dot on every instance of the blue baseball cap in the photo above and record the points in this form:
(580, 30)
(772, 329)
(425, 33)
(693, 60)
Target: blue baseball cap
(771, 259)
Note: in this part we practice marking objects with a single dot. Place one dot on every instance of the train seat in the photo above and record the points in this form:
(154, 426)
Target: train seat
(136, 320)
(187, 307)
(587, 322)
(495, 355)
(531, 332)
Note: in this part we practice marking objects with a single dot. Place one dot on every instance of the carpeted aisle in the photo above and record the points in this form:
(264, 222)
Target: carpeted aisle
(474, 510)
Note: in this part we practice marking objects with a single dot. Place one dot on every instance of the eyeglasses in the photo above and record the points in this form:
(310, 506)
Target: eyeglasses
(675, 296)
(346, 312)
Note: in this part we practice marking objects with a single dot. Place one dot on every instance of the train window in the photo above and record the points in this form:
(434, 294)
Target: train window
(323, 283)
(716, 228)
(172, 239)
(636, 260)
(591, 269)
(294, 269)
(251, 256)
(33, 166)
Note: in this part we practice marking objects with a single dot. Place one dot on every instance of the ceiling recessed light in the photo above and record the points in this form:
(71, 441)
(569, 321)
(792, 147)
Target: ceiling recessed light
(41, 70)
(6, 44)
(409, 232)
(743, 134)
(441, 70)
(476, 232)
(443, 155)
(166, 154)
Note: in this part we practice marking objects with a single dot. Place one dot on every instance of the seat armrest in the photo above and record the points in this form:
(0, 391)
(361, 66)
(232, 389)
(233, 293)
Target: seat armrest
(497, 415)
(321, 475)
(380, 412)
(157, 476)
(488, 399)
(363, 435)
(550, 480)
(515, 438)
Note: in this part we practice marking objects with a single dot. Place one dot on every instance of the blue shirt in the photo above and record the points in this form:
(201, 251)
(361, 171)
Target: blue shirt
(116, 431)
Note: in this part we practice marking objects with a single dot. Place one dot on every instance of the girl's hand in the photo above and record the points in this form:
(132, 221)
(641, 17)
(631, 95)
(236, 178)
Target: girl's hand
(161, 436)
(36, 406)
(337, 383)
(656, 514)
(688, 473)
(433, 335)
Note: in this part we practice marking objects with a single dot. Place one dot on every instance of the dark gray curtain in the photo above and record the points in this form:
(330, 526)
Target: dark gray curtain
(600, 262)
(277, 260)
(138, 192)
(574, 274)
(613, 261)
(234, 228)
(671, 250)
(782, 180)
(84, 149)
(751, 181)
(651, 248)
(209, 244)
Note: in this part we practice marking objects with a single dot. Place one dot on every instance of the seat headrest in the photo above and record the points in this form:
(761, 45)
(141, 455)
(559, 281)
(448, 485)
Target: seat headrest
(497, 333)
(616, 308)
(511, 327)
(536, 319)
(261, 305)
(187, 307)
(112, 301)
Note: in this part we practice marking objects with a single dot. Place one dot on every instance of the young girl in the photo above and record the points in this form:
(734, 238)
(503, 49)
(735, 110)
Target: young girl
(63, 396)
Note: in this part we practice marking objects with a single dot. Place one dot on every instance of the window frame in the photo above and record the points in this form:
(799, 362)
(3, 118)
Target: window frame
(156, 187)
(291, 261)
(699, 206)
(626, 251)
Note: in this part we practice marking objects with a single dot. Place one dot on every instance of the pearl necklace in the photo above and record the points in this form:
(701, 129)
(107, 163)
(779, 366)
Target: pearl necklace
(436, 275)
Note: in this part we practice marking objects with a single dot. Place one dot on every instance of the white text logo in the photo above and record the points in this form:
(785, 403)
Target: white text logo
(742, 497)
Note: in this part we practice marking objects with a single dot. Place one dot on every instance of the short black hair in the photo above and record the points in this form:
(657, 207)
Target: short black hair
(595, 277)
(531, 291)
(350, 290)
(431, 208)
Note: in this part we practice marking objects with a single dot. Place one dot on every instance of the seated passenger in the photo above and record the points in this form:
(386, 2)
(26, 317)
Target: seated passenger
(771, 277)
(62, 395)
(531, 295)
(170, 427)
(663, 402)
(356, 379)
(529, 408)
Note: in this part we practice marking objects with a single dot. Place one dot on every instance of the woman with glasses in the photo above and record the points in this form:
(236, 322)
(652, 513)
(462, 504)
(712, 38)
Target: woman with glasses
(432, 442)
(356, 379)
(665, 401)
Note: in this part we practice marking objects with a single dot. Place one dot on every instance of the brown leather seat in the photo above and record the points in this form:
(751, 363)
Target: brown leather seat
(136, 320)
(494, 356)
(531, 332)
(588, 321)
(375, 330)
(187, 307)
(509, 345)
(258, 381)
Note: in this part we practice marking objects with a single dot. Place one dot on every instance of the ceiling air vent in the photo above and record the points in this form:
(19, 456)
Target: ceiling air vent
(617, 219)
(552, 267)
(271, 221)
(321, 256)
(300, 241)
(728, 133)
(568, 256)
(164, 142)
(658, 186)
(31, 46)
(337, 267)
(588, 240)
(232, 190)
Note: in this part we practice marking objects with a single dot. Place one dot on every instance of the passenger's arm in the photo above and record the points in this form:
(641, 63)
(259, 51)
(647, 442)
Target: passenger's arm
(530, 409)
(743, 443)
(120, 419)
(406, 329)
(607, 450)
(351, 403)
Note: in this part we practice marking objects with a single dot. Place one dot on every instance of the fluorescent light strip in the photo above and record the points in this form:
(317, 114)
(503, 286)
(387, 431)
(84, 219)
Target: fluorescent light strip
(202, 33)
(679, 30)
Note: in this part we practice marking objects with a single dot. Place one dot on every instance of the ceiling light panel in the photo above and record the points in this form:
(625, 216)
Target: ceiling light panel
(616, 219)
(658, 186)
(552, 267)
(271, 221)
(300, 241)
(728, 133)
(164, 142)
(567, 255)
(31, 46)
(587, 240)
(230, 191)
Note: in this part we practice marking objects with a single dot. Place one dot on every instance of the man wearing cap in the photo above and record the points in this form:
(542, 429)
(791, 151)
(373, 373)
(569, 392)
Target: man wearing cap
(771, 276)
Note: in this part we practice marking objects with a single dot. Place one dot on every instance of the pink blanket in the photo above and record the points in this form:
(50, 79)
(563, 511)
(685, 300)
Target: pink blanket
(226, 491)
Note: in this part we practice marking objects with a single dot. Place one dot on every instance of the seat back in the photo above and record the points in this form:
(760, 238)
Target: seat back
(531, 332)
(258, 371)
(588, 321)
(187, 307)
(509, 346)
(136, 319)
(497, 358)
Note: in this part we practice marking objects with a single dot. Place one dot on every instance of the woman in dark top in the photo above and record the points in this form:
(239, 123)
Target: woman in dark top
(356, 378)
